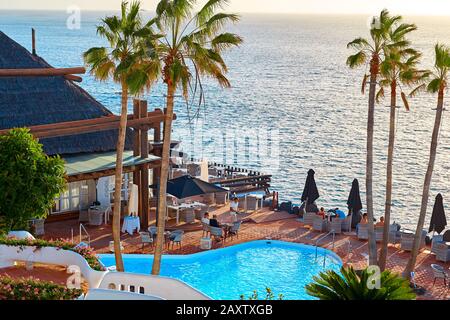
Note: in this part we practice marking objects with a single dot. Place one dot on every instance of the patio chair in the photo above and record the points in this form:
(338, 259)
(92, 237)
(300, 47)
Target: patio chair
(335, 225)
(153, 231)
(216, 233)
(439, 273)
(442, 252)
(319, 224)
(252, 203)
(96, 217)
(347, 224)
(379, 233)
(176, 237)
(194, 169)
(187, 215)
(84, 215)
(437, 239)
(363, 231)
(242, 203)
(222, 198)
(407, 241)
(38, 227)
(308, 218)
(213, 172)
(205, 229)
(394, 233)
(234, 231)
(146, 238)
(200, 211)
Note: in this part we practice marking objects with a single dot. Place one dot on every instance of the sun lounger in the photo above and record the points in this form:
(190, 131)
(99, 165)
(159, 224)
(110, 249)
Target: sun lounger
(308, 218)
(319, 224)
(407, 241)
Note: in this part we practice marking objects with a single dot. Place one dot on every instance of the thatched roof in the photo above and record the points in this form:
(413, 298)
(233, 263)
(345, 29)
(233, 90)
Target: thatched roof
(28, 101)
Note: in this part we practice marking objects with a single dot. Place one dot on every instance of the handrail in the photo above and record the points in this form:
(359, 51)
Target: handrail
(332, 232)
(82, 227)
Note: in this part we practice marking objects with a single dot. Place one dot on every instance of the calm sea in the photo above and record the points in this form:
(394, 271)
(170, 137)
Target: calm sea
(294, 105)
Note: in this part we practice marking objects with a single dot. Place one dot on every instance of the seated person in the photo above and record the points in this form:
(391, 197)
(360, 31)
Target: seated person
(364, 219)
(380, 223)
(321, 213)
(205, 218)
(234, 205)
(213, 222)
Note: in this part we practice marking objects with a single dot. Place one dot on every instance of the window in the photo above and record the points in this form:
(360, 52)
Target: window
(70, 199)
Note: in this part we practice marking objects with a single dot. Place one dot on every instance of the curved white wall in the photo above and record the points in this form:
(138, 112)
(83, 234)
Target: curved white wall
(156, 286)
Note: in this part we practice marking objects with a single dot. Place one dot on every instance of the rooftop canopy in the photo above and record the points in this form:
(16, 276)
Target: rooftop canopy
(79, 167)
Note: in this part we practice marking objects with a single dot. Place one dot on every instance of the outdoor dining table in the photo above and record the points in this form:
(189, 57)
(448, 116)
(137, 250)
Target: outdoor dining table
(130, 224)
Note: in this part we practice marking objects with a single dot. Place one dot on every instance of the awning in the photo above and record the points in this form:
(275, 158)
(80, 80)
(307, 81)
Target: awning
(99, 162)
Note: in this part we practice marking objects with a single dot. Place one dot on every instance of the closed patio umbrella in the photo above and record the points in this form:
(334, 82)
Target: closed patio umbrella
(438, 221)
(310, 192)
(187, 186)
(354, 202)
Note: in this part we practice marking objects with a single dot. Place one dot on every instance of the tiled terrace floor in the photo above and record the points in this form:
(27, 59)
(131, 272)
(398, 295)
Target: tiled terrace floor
(286, 229)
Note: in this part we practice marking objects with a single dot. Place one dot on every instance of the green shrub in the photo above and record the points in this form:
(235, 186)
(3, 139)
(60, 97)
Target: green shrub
(348, 285)
(29, 180)
(31, 289)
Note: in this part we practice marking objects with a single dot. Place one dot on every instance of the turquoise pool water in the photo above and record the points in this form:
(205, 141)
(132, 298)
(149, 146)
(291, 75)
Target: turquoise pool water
(230, 272)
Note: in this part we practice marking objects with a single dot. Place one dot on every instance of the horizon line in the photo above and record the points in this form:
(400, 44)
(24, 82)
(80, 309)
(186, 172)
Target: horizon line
(239, 12)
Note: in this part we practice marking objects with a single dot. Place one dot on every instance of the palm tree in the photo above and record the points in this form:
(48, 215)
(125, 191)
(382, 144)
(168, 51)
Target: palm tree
(122, 62)
(437, 85)
(349, 285)
(191, 48)
(398, 68)
(372, 52)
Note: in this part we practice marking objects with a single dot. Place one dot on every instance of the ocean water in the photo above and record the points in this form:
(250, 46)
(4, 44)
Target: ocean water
(228, 273)
(293, 105)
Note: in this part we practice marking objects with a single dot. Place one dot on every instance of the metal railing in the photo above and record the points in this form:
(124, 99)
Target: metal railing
(333, 233)
(82, 228)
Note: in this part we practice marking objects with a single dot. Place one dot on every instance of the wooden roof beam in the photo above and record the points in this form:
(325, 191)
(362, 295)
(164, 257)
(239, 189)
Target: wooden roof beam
(68, 131)
(41, 72)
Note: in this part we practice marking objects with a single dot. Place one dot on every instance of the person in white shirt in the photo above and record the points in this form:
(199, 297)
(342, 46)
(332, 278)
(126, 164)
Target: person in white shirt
(205, 218)
(234, 206)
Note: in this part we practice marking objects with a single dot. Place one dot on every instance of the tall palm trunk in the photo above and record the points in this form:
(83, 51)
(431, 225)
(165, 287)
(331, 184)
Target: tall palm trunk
(389, 171)
(426, 185)
(374, 68)
(163, 180)
(118, 178)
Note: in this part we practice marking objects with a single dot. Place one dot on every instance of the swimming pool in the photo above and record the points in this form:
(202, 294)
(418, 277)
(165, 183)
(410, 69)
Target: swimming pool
(233, 271)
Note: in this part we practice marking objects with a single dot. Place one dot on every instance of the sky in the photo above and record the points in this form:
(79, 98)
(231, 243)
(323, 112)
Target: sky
(404, 7)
